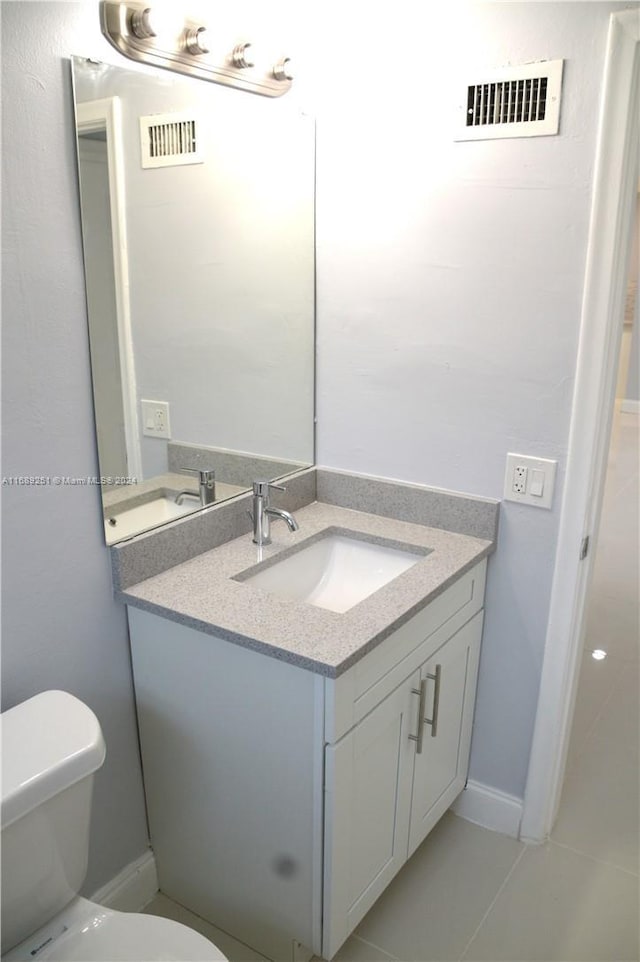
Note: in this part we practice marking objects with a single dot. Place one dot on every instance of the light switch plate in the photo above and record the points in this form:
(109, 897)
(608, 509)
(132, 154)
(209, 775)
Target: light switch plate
(530, 480)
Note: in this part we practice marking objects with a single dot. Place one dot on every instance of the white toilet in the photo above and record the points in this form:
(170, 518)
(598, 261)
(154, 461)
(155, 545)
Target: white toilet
(51, 746)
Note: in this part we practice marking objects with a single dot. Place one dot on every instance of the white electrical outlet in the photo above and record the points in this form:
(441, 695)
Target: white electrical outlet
(529, 480)
(155, 419)
(519, 485)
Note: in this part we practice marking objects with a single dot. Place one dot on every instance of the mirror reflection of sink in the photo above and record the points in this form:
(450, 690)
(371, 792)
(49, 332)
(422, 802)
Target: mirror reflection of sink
(335, 572)
(157, 511)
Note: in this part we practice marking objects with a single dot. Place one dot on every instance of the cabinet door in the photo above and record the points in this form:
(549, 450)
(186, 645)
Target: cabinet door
(368, 779)
(440, 769)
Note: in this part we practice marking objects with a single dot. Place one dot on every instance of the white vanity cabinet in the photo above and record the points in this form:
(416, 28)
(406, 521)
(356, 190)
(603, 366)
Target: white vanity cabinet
(386, 785)
(440, 770)
(281, 801)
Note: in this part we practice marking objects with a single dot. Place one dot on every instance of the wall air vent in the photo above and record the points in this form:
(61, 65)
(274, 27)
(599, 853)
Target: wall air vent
(168, 140)
(513, 102)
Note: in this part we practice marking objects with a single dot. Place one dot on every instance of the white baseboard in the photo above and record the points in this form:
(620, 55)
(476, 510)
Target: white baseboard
(627, 406)
(132, 888)
(489, 808)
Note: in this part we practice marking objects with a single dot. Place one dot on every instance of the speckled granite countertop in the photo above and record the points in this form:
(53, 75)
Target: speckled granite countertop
(203, 594)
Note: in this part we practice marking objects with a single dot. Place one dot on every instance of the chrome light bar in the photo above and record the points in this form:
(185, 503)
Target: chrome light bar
(133, 29)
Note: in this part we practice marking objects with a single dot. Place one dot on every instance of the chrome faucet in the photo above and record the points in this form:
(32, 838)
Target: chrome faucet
(263, 512)
(206, 488)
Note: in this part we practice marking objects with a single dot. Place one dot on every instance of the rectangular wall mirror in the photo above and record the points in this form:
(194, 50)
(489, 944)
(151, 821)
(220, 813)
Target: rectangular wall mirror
(197, 206)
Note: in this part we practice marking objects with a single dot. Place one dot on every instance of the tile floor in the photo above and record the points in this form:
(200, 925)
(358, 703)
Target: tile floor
(470, 895)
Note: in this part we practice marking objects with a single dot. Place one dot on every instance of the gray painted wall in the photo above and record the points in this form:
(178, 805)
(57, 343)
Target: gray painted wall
(450, 285)
(61, 627)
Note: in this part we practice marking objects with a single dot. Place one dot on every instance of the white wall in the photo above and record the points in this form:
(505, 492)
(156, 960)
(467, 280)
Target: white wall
(449, 290)
(450, 283)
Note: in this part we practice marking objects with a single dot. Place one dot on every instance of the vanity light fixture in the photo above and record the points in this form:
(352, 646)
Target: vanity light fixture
(139, 32)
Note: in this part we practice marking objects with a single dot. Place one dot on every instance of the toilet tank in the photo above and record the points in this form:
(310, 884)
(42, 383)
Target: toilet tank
(51, 746)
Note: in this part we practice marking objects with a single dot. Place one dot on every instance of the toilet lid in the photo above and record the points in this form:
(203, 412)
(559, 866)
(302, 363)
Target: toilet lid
(124, 937)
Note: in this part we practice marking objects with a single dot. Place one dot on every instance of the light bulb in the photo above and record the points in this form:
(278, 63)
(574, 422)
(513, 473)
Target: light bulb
(282, 70)
(241, 56)
(159, 21)
(141, 24)
(194, 40)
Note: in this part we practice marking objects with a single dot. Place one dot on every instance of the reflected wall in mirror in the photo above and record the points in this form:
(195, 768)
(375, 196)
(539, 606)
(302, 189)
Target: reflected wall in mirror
(200, 289)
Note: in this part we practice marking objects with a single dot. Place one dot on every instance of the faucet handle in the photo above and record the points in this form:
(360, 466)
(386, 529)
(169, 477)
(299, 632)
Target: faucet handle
(261, 488)
(207, 476)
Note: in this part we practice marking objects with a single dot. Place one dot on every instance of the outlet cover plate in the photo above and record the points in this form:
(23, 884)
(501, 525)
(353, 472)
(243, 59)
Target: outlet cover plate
(538, 472)
(155, 419)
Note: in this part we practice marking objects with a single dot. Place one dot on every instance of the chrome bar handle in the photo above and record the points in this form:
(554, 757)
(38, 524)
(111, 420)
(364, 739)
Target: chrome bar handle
(433, 721)
(422, 692)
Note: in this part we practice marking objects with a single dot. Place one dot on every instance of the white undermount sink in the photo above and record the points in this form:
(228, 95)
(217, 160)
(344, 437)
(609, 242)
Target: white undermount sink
(335, 572)
(123, 520)
(156, 511)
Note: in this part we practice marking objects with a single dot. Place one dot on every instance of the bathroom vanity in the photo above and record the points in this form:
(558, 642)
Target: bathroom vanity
(297, 744)
(295, 757)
